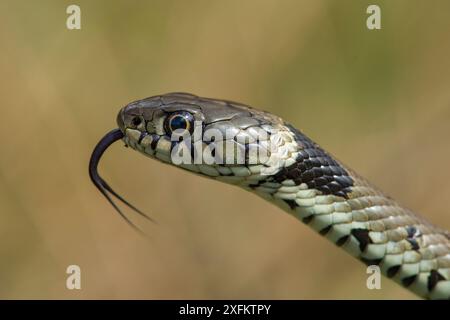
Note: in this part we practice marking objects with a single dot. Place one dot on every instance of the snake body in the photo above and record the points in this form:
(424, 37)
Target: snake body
(302, 179)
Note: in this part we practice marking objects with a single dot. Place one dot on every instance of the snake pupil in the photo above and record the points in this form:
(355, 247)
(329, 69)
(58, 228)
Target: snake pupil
(178, 122)
(183, 120)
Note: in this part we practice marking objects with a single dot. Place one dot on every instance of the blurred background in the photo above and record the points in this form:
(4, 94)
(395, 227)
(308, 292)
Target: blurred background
(379, 100)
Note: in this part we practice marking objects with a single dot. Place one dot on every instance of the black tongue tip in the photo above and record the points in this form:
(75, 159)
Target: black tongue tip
(99, 149)
(111, 137)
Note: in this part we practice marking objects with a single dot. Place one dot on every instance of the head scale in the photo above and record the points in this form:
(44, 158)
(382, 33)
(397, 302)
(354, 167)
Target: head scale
(219, 139)
(216, 138)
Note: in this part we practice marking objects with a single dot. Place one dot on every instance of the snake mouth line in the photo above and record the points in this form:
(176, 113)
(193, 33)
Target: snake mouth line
(111, 137)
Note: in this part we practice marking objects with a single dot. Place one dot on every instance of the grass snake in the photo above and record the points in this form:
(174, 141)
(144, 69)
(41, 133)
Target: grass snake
(268, 156)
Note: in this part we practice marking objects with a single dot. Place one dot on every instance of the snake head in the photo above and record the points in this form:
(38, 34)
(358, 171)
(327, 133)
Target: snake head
(219, 139)
(149, 124)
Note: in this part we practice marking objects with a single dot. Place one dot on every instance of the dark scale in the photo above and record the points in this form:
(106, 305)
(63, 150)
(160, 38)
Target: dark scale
(411, 230)
(414, 244)
(342, 240)
(362, 235)
(392, 271)
(154, 141)
(325, 230)
(409, 280)
(433, 279)
(316, 168)
(412, 235)
(371, 262)
(291, 203)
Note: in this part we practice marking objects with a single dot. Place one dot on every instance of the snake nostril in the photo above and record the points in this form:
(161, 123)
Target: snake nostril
(136, 121)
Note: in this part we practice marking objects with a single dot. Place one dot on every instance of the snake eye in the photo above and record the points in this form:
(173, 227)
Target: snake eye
(136, 121)
(181, 120)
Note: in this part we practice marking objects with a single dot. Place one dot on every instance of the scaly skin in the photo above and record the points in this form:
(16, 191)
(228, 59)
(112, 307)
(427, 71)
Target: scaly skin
(305, 181)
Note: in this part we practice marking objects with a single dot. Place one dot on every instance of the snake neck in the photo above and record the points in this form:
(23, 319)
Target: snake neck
(343, 207)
